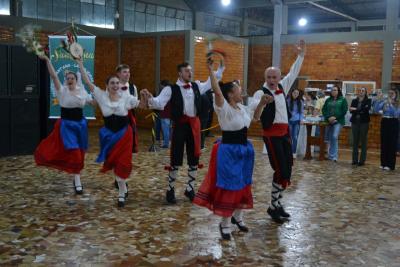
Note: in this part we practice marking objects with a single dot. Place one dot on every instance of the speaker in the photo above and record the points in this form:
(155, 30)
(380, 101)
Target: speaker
(5, 134)
(3, 70)
(25, 125)
(24, 72)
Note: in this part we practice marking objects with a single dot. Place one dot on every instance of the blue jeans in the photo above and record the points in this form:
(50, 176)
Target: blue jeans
(294, 128)
(333, 134)
(165, 128)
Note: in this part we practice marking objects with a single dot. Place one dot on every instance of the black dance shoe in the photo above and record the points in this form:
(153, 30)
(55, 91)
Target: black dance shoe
(170, 196)
(189, 195)
(355, 163)
(241, 227)
(283, 213)
(121, 202)
(78, 191)
(223, 235)
(117, 187)
(275, 215)
(361, 163)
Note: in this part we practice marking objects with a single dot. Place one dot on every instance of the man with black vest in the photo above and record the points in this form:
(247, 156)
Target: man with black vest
(185, 108)
(127, 88)
(274, 119)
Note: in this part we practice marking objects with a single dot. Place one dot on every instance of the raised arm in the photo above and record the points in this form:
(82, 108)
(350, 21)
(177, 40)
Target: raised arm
(85, 76)
(52, 72)
(204, 87)
(289, 79)
(219, 97)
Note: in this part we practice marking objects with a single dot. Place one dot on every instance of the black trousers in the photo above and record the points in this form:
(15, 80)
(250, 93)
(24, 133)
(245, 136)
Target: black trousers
(280, 158)
(389, 135)
(182, 135)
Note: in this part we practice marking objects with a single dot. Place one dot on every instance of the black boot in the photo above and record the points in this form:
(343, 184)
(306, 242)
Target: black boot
(275, 215)
(121, 202)
(170, 196)
(189, 195)
(283, 213)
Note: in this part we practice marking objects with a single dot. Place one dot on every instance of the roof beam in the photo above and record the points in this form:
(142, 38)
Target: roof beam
(332, 11)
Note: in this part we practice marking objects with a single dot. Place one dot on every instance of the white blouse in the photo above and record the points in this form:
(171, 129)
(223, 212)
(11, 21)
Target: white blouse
(231, 119)
(73, 99)
(119, 108)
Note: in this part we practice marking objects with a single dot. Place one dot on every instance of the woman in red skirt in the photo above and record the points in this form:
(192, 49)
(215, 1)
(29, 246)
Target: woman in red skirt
(226, 189)
(64, 149)
(116, 136)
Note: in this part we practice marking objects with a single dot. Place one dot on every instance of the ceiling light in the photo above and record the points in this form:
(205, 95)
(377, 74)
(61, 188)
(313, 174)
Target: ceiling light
(225, 2)
(302, 22)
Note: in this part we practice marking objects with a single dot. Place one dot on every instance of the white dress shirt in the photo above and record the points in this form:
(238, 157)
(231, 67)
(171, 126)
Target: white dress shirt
(231, 119)
(119, 108)
(189, 108)
(280, 101)
(73, 99)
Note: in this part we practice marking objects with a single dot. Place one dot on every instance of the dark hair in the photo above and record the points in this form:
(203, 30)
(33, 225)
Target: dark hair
(297, 100)
(121, 67)
(339, 91)
(182, 65)
(226, 88)
(110, 77)
(165, 83)
(71, 73)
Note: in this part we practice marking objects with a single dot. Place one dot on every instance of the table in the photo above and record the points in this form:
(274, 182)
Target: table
(315, 140)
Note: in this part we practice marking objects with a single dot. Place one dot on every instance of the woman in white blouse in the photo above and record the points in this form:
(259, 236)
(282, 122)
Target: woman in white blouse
(116, 136)
(65, 147)
(226, 189)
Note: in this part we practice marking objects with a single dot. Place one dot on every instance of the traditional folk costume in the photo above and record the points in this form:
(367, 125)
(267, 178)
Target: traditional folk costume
(185, 109)
(65, 147)
(116, 138)
(226, 189)
(274, 120)
(131, 89)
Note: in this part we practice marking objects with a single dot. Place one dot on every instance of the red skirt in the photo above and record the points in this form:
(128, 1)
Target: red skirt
(120, 156)
(52, 153)
(220, 201)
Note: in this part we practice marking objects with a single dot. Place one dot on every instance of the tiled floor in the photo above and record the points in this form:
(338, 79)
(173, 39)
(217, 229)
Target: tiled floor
(341, 216)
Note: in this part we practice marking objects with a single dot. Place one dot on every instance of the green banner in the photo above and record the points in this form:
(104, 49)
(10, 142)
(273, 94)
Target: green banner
(63, 62)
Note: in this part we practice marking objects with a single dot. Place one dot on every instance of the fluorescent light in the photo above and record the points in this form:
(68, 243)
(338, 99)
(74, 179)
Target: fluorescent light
(225, 2)
(302, 22)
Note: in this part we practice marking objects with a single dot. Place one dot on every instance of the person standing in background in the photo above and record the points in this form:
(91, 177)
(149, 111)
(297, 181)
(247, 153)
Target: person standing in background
(359, 110)
(296, 109)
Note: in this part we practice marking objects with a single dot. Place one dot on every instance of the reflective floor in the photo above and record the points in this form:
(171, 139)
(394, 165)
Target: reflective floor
(341, 216)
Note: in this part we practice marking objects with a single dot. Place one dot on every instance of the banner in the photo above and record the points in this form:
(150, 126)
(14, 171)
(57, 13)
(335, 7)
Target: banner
(63, 62)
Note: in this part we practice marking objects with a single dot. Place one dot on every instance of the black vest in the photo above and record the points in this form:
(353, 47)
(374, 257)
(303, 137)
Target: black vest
(177, 105)
(268, 114)
(132, 91)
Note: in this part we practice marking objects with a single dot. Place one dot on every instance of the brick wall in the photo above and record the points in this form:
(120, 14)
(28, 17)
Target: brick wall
(357, 61)
(6, 34)
(140, 54)
(396, 62)
(172, 53)
(260, 57)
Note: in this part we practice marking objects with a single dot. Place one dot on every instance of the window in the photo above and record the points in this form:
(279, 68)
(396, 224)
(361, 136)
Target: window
(4, 7)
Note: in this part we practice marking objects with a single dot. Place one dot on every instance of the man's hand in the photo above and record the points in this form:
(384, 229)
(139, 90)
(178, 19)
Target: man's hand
(266, 99)
(301, 47)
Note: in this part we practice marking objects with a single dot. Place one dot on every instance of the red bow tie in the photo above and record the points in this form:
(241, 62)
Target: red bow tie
(187, 86)
(124, 88)
(278, 91)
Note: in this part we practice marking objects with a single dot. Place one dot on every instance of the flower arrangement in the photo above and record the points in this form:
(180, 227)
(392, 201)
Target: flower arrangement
(30, 36)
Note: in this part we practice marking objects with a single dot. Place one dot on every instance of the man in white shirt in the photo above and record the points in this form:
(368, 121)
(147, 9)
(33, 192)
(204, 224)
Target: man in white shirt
(124, 74)
(185, 100)
(274, 119)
